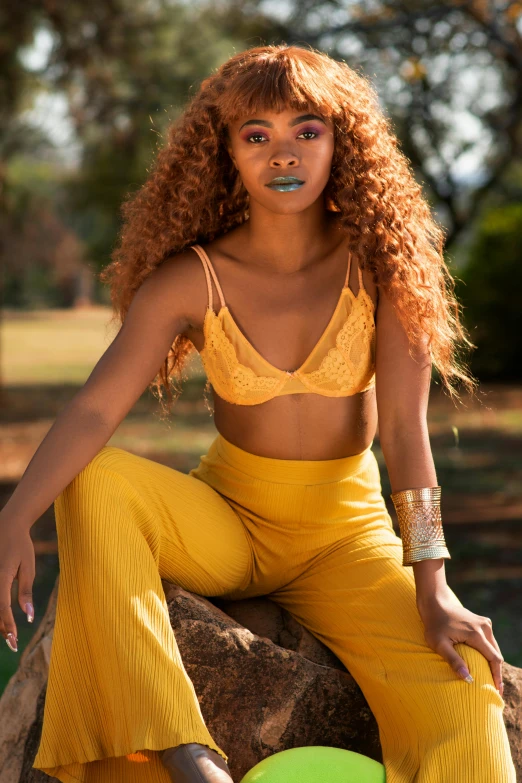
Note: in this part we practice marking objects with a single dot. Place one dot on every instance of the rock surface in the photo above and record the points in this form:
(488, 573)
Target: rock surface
(278, 687)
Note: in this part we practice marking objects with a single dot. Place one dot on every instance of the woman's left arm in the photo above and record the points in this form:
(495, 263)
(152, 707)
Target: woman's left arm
(402, 385)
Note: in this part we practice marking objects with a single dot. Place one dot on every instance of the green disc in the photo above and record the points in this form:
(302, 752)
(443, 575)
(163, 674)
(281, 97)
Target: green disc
(316, 764)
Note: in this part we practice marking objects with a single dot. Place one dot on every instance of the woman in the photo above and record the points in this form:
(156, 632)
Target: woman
(283, 236)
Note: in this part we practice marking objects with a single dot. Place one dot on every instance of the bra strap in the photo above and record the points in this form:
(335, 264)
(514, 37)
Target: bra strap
(359, 273)
(361, 284)
(348, 270)
(205, 260)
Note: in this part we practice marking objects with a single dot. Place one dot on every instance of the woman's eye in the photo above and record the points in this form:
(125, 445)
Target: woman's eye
(260, 135)
(255, 135)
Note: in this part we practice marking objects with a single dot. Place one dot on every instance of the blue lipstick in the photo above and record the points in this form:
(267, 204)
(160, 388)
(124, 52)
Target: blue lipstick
(285, 183)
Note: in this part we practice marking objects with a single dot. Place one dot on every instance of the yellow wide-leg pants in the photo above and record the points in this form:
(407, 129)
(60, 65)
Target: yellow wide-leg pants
(313, 535)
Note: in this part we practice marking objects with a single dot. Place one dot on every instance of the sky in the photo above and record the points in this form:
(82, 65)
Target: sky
(50, 111)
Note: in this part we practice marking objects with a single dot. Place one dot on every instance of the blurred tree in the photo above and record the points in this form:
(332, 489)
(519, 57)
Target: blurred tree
(448, 73)
(490, 292)
(450, 76)
(127, 69)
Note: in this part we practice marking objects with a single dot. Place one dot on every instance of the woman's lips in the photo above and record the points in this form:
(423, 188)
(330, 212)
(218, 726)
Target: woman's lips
(285, 185)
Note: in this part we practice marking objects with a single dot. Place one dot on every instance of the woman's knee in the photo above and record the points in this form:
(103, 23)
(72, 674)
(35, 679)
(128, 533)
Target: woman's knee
(107, 458)
(468, 707)
(93, 485)
(478, 666)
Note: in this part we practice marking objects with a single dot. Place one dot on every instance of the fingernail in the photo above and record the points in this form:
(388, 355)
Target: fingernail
(11, 642)
(30, 612)
(465, 674)
(501, 688)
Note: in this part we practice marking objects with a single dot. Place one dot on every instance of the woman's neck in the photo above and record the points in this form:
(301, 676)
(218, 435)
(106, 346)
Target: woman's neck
(290, 242)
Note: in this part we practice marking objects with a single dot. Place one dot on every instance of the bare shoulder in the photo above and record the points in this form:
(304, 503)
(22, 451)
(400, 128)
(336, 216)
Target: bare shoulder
(179, 283)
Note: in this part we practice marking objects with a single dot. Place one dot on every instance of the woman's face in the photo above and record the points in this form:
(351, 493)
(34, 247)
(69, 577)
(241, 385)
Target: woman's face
(296, 144)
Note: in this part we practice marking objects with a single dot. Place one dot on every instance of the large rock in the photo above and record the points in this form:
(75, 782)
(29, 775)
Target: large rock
(261, 678)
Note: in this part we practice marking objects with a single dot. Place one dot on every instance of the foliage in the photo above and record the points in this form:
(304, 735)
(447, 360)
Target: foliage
(490, 293)
(43, 258)
(450, 76)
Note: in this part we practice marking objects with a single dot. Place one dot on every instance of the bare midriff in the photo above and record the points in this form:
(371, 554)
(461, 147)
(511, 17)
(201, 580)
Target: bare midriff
(300, 426)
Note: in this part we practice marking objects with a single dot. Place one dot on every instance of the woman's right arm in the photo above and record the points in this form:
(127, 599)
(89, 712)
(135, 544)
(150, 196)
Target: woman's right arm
(164, 305)
(155, 316)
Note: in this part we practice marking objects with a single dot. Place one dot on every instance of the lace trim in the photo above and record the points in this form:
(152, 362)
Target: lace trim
(232, 379)
(227, 370)
(337, 365)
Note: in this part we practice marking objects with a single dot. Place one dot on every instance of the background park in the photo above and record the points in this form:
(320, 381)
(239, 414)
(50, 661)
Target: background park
(86, 92)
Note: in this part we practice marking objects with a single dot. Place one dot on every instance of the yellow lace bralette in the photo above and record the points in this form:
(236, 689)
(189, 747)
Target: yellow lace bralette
(341, 364)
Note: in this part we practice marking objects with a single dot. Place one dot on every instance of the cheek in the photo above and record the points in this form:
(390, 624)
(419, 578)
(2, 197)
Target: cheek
(251, 163)
(319, 161)
(327, 150)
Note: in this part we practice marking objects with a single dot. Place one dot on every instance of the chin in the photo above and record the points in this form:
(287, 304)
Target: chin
(289, 209)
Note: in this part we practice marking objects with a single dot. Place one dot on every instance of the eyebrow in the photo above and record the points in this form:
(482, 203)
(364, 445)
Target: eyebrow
(296, 121)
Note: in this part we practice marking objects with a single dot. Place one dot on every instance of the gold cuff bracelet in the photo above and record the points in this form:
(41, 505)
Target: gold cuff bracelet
(418, 513)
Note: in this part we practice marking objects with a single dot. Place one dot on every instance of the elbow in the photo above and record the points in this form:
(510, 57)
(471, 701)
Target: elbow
(398, 431)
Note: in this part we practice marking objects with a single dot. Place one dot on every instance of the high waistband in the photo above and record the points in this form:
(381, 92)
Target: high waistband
(290, 470)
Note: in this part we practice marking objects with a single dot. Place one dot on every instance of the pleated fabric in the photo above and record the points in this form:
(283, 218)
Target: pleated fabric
(316, 537)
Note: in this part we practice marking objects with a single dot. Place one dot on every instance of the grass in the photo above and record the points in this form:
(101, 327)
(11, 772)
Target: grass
(53, 346)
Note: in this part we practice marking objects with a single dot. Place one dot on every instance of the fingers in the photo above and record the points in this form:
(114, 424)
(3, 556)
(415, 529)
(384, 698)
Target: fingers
(26, 574)
(480, 640)
(497, 661)
(480, 643)
(446, 649)
(17, 562)
(7, 623)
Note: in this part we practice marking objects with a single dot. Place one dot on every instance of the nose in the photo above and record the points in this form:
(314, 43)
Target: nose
(282, 160)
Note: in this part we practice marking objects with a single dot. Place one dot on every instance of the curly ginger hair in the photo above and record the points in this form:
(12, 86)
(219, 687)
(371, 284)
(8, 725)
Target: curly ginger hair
(194, 194)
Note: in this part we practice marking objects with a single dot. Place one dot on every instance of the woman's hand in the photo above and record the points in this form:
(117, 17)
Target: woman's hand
(17, 559)
(447, 623)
